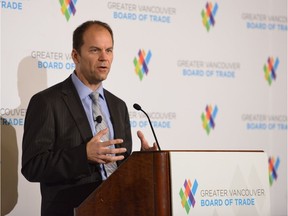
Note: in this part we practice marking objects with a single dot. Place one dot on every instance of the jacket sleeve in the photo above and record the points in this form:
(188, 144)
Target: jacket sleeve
(44, 158)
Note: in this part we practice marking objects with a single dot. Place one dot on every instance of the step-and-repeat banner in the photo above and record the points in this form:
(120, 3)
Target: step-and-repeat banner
(210, 74)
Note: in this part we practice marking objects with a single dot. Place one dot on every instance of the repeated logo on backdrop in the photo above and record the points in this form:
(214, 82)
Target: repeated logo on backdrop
(270, 69)
(261, 21)
(141, 12)
(12, 5)
(273, 169)
(141, 63)
(219, 197)
(68, 8)
(14, 117)
(162, 120)
(53, 60)
(208, 68)
(187, 194)
(262, 122)
(208, 15)
(208, 118)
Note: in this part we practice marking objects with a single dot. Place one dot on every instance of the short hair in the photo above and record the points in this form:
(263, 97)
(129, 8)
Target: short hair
(80, 30)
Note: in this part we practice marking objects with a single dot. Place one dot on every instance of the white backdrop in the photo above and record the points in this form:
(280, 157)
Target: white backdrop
(191, 67)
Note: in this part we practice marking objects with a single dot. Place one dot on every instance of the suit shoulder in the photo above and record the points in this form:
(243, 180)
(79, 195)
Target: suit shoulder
(111, 96)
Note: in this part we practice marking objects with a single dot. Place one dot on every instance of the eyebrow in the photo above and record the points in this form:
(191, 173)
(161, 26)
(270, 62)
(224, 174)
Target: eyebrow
(95, 47)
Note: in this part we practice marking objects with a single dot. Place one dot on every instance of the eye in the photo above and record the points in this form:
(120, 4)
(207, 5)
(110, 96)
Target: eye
(109, 50)
(94, 50)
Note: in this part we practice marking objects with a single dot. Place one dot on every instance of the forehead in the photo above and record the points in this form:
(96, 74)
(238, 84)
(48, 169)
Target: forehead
(97, 33)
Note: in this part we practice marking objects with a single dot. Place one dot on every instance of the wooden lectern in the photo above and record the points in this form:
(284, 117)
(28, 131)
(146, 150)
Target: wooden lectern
(140, 186)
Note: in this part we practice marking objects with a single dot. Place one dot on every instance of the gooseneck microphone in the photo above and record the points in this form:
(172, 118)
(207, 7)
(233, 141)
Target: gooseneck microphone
(138, 107)
(98, 119)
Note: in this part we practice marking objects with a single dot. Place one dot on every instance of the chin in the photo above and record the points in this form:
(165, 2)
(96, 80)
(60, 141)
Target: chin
(101, 78)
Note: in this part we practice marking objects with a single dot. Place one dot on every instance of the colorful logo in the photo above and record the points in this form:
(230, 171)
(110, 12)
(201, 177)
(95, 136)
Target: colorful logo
(273, 168)
(187, 194)
(141, 64)
(208, 118)
(270, 69)
(208, 15)
(68, 8)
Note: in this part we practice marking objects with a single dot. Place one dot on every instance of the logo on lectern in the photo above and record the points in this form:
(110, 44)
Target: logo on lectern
(273, 168)
(141, 64)
(208, 118)
(208, 15)
(270, 69)
(187, 194)
(68, 8)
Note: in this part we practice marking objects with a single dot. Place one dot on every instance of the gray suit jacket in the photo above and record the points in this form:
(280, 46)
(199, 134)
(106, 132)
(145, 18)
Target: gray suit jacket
(56, 131)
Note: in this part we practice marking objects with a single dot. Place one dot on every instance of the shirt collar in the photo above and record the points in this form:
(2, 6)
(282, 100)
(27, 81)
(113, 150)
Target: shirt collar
(83, 90)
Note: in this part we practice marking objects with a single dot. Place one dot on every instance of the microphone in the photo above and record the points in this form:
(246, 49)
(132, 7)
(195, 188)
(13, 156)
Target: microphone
(138, 107)
(98, 119)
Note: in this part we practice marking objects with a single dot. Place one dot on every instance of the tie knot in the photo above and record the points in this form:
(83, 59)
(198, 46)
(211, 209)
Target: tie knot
(94, 96)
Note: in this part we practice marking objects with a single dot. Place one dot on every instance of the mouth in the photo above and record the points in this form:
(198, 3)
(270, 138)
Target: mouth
(103, 68)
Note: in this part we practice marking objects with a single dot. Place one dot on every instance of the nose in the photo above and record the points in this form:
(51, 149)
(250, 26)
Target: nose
(103, 55)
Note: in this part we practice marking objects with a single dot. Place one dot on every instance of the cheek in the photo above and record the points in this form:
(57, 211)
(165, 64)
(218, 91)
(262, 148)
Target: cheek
(90, 62)
(111, 58)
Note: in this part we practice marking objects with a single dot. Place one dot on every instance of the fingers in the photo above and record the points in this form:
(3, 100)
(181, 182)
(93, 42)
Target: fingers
(100, 134)
(154, 148)
(105, 150)
(144, 143)
(105, 159)
(102, 152)
(140, 135)
(111, 158)
(142, 138)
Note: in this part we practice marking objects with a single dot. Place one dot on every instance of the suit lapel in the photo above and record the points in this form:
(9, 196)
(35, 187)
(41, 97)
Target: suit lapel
(74, 104)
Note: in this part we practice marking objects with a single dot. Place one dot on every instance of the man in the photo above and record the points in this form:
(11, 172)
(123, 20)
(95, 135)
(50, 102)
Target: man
(61, 147)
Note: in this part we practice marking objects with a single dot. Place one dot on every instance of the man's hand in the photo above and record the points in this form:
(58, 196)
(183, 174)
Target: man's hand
(99, 152)
(144, 144)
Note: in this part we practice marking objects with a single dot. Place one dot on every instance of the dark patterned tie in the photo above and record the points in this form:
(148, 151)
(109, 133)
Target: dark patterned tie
(110, 167)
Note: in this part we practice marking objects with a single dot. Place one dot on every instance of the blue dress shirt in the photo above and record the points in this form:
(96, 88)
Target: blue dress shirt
(84, 92)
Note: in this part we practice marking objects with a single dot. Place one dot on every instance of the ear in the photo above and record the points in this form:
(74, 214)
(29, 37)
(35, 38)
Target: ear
(75, 56)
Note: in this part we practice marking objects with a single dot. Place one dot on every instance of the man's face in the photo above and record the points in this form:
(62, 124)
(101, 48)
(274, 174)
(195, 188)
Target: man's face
(94, 62)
